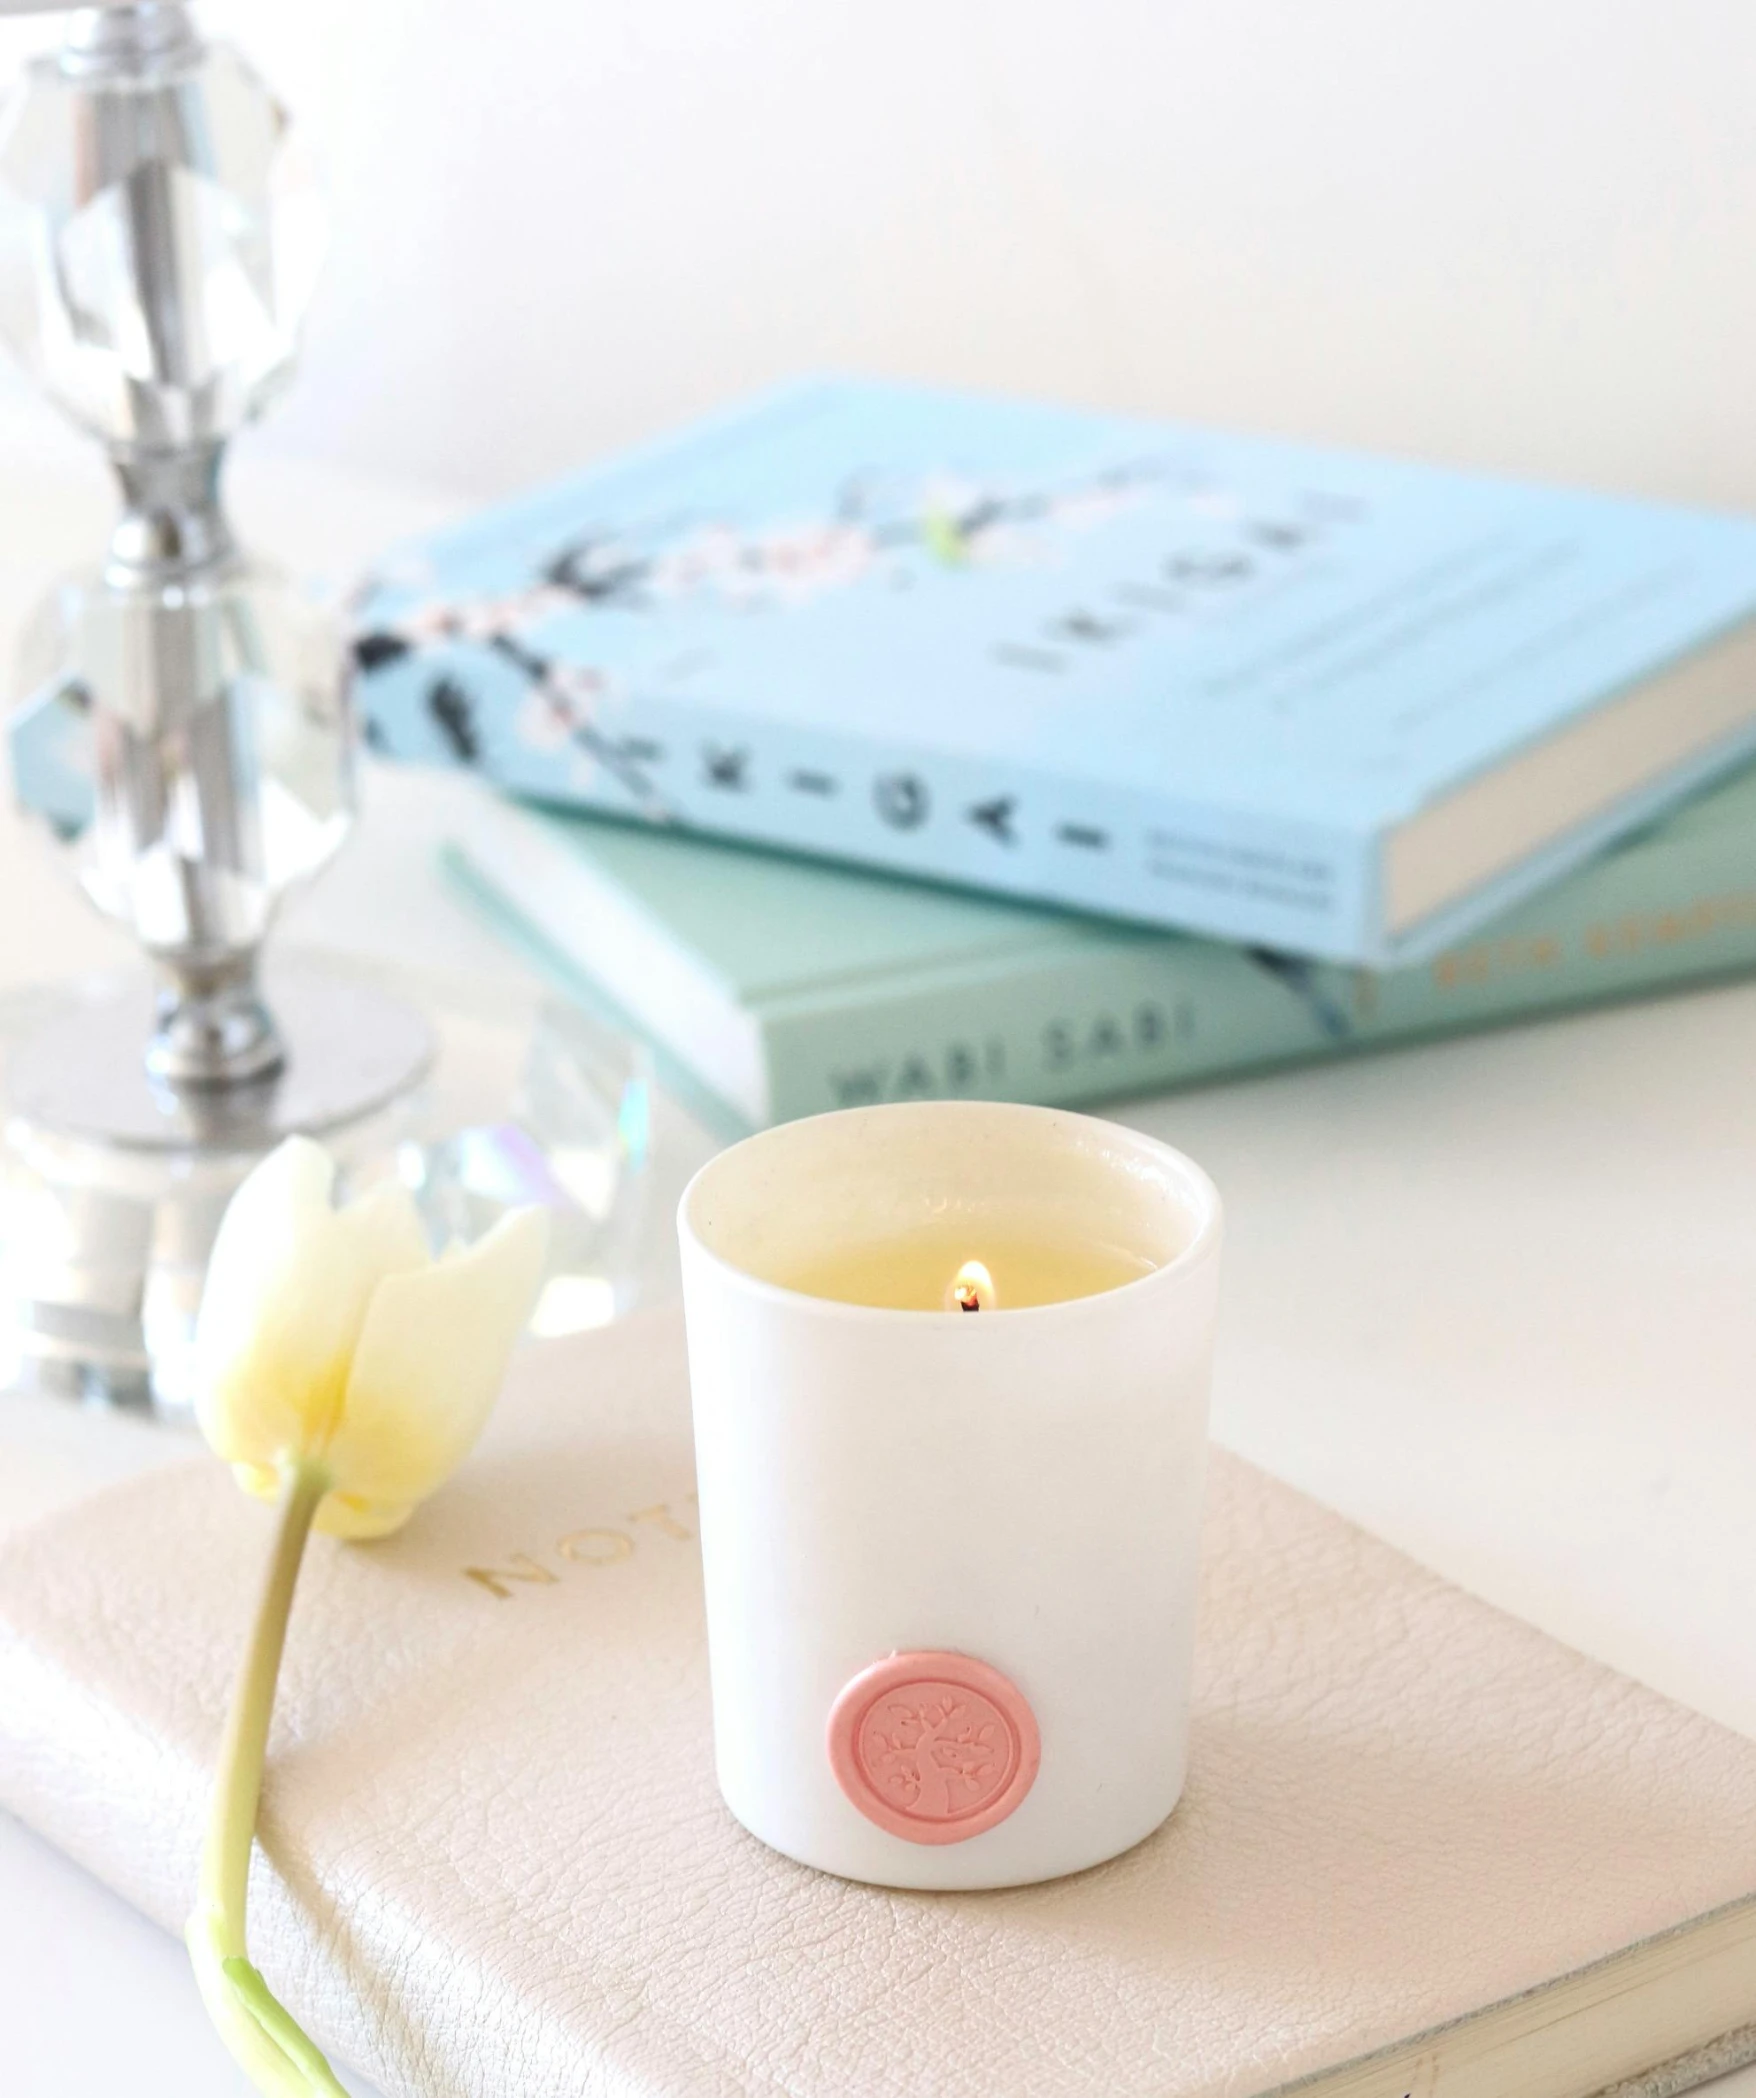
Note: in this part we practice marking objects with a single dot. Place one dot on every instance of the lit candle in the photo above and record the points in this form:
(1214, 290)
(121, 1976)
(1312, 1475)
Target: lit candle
(972, 1289)
(950, 1560)
(921, 1270)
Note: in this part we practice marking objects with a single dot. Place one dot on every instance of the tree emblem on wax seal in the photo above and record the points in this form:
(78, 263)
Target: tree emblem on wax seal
(933, 1747)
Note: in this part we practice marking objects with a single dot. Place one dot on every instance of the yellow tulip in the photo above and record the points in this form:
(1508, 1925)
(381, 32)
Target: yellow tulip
(332, 1334)
(343, 1370)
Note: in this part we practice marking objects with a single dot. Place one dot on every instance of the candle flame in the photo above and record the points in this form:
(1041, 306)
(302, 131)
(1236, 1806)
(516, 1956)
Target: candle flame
(972, 1289)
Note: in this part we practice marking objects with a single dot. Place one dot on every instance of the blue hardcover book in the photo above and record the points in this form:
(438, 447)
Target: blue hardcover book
(1341, 706)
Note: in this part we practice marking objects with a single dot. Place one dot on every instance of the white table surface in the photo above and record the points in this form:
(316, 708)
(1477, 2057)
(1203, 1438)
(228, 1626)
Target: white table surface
(1494, 1298)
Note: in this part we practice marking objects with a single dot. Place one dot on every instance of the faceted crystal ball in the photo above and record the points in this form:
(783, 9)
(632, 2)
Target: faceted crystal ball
(183, 173)
(189, 745)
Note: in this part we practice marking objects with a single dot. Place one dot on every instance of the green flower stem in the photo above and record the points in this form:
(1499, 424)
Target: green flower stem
(266, 2041)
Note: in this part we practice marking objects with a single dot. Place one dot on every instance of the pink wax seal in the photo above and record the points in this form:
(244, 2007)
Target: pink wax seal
(934, 1747)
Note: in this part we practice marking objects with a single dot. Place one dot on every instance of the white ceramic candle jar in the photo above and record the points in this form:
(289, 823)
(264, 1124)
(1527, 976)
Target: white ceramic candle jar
(950, 1557)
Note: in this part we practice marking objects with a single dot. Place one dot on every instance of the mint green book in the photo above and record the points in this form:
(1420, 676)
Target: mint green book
(785, 987)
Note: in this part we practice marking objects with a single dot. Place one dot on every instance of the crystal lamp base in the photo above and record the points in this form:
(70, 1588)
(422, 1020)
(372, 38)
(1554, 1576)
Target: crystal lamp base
(351, 1050)
(112, 1186)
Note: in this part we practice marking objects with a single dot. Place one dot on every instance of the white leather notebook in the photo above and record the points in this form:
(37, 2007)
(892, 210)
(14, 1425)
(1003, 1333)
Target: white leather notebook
(1424, 1849)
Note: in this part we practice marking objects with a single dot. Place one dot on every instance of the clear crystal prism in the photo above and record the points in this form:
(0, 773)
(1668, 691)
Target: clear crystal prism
(186, 742)
(160, 237)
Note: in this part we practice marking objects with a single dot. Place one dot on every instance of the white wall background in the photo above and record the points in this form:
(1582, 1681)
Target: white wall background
(1517, 233)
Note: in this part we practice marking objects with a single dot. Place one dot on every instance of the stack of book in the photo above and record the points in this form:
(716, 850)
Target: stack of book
(881, 744)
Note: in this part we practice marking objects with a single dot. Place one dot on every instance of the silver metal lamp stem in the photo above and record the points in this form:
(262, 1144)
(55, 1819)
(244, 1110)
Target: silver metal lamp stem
(213, 1028)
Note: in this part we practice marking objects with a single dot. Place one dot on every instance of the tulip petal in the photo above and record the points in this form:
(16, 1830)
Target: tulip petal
(427, 1369)
(344, 1515)
(289, 1286)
